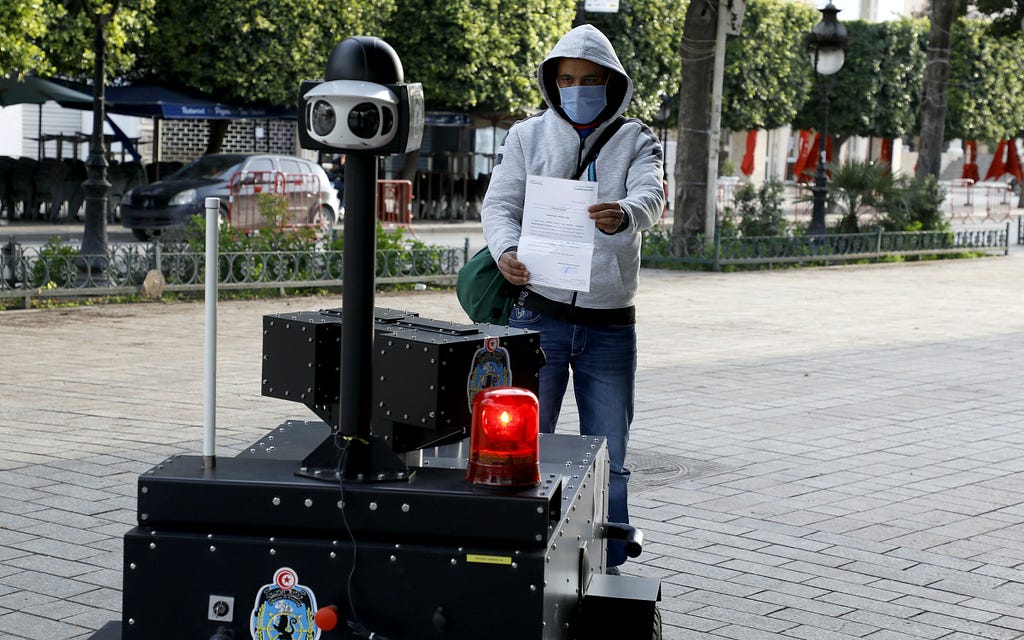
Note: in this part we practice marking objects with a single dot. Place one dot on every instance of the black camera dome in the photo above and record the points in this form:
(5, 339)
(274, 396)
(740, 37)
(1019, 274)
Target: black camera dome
(364, 58)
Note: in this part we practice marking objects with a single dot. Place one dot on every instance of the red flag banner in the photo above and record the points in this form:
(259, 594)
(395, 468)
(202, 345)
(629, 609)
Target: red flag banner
(970, 171)
(998, 166)
(803, 153)
(886, 155)
(747, 167)
(1013, 160)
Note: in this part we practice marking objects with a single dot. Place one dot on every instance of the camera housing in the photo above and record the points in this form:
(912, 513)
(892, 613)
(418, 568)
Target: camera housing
(363, 105)
(355, 116)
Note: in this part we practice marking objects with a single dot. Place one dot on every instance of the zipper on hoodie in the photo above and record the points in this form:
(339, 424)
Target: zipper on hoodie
(579, 154)
(579, 171)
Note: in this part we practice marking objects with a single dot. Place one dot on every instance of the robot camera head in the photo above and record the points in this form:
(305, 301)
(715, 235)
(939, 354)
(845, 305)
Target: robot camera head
(363, 106)
(351, 114)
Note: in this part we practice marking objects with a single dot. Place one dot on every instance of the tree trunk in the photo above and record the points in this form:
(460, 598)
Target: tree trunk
(693, 133)
(936, 80)
(218, 130)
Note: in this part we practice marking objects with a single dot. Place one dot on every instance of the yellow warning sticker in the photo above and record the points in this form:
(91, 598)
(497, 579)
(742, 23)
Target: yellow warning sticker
(482, 559)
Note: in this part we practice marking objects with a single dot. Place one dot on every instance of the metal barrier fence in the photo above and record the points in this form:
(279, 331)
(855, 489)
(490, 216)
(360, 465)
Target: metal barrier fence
(48, 272)
(394, 203)
(300, 193)
(831, 248)
(973, 202)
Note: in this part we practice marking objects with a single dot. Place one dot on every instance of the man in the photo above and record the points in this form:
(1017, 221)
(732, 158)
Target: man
(592, 332)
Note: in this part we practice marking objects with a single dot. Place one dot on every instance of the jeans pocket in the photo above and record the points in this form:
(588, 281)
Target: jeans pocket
(522, 317)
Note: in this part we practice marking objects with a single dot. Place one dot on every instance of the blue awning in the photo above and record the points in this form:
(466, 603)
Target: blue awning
(153, 101)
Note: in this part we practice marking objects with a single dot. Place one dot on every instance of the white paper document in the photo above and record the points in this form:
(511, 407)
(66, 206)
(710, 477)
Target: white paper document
(557, 245)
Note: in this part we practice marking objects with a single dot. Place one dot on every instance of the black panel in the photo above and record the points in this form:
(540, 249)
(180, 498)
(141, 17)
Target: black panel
(402, 591)
(422, 369)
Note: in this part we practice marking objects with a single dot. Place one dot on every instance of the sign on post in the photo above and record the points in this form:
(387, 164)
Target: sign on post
(601, 6)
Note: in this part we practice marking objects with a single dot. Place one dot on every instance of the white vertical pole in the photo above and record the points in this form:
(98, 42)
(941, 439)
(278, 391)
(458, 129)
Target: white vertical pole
(716, 119)
(210, 351)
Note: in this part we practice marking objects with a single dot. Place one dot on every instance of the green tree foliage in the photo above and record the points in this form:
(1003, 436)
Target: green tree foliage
(253, 51)
(986, 87)
(477, 56)
(55, 37)
(69, 41)
(877, 92)
(646, 36)
(766, 70)
(499, 45)
(1006, 15)
(24, 23)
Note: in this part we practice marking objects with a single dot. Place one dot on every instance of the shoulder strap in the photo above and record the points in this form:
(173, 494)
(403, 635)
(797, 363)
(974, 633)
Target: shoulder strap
(594, 150)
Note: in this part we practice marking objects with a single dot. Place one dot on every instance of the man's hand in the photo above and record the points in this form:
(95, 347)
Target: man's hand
(513, 270)
(608, 216)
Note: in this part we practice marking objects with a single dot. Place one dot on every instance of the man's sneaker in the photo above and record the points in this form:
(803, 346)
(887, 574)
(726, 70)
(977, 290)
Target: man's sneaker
(612, 571)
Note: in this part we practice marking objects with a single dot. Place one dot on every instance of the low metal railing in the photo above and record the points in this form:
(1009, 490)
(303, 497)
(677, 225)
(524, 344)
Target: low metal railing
(60, 271)
(830, 248)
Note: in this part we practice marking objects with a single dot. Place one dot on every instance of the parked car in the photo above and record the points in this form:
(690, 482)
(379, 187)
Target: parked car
(152, 209)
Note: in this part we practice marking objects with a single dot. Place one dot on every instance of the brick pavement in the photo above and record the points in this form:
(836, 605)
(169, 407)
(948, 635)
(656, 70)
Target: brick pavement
(818, 454)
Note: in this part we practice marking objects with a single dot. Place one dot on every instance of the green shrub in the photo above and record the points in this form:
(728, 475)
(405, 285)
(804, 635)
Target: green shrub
(755, 212)
(856, 186)
(56, 266)
(914, 204)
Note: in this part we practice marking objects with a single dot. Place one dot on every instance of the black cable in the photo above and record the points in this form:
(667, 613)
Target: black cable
(354, 624)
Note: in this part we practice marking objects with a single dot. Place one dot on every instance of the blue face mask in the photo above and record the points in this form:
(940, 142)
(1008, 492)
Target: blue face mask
(583, 104)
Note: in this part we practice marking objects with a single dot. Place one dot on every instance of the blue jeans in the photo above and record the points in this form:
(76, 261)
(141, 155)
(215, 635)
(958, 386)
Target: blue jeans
(603, 363)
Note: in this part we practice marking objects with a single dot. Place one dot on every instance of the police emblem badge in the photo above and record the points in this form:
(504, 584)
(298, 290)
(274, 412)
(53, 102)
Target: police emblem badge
(490, 368)
(284, 610)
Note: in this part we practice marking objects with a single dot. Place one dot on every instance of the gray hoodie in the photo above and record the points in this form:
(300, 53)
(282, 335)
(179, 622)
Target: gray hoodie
(628, 171)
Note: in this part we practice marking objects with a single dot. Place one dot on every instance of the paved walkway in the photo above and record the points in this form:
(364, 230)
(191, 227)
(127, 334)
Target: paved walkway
(819, 454)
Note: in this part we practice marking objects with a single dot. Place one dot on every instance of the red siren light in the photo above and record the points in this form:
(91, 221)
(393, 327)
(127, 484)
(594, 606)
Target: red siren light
(503, 448)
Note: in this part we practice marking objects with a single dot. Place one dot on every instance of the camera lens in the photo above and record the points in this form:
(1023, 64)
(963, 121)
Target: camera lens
(389, 121)
(322, 118)
(364, 120)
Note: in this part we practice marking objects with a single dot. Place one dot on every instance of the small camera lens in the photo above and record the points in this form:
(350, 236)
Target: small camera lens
(323, 118)
(389, 121)
(364, 120)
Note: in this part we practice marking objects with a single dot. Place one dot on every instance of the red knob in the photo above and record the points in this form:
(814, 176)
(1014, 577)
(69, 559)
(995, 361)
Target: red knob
(327, 617)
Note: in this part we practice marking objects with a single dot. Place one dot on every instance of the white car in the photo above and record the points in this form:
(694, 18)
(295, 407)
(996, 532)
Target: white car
(237, 179)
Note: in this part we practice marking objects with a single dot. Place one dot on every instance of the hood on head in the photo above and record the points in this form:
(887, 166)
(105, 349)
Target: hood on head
(588, 43)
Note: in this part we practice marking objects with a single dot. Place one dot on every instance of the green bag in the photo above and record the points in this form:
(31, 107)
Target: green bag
(483, 292)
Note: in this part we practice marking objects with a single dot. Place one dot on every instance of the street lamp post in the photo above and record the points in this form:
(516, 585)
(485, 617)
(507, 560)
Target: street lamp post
(827, 43)
(96, 186)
